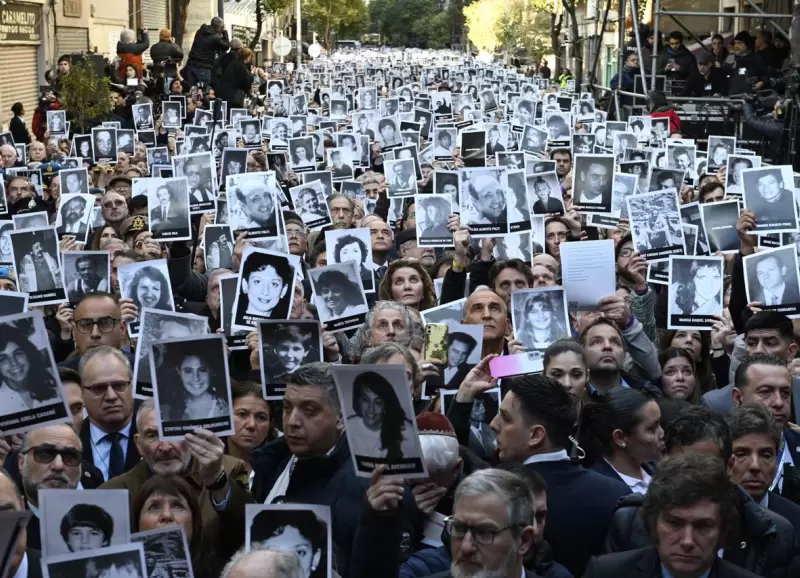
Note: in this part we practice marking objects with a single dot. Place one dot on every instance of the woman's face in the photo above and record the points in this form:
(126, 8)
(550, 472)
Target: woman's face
(372, 407)
(407, 286)
(569, 370)
(251, 422)
(5, 241)
(301, 153)
(540, 316)
(691, 341)
(108, 233)
(82, 538)
(195, 375)
(334, 297)
(265, 289)
(677, 378)
(149, 292)
(161, 510)
(351, 252)
(706, 283)
(292, 540)
(646, 441)
(720, 154)
(291, 354)
(14, 363)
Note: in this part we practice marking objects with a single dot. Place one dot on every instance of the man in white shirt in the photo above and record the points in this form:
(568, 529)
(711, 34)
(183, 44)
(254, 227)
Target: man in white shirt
(595, 184)
(775, 287)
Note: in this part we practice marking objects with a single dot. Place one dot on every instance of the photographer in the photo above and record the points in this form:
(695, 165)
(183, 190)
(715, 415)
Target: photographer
(210, 42)
(747, 71)
(130, 51)
(770, 125)
(166, 55)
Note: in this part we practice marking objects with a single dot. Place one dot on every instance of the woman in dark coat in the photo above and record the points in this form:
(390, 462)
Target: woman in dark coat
(17, 125)
(236, 80)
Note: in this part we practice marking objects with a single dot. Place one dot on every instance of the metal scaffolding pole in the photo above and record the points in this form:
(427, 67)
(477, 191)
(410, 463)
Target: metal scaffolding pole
(621, 43)
(635, 14)
(723, 14)
(773, 24)
(656, 22)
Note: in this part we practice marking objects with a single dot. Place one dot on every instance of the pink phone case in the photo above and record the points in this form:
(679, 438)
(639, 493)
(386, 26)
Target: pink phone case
(519, 364)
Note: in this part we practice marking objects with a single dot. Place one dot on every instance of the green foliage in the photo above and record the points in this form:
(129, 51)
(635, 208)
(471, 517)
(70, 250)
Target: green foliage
(85, 96)
(274, 6)
(335, 16)
(418, 23)
(521, 26)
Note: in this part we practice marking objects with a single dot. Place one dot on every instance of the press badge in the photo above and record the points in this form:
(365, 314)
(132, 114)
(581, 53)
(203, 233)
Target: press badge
(742, 72)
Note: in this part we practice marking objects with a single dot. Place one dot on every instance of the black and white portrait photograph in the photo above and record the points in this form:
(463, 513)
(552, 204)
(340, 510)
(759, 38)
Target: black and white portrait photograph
(593, 183)
(309, 203)
(74, 181)
(533, 141)
(266, 288)
(338, 109)
(425, 119)
(733, 174)
(511, 161)
(401, 177)
(583, 144)
(350, 147)
(388, 133)
(367, 99)
(168, 207)
(77, 521)
(13, 302)
(625, 185)
(123, 561)
(519, 214)
(285, 346)
(218, 243)
(82, 146)
(57, 122)
(85, 272)
(341, 163)
(488, 100)
(166, 552)
(623, 142)
(148, 138)
(171, 114)
(719, 226)
(126, 140)
(642, 171)
(772, 280)
(464, 346)
(379, 419)
(193, 143)
(35, 220)
(201, 176)
(663, 179)
(253, 204)
(251, 133)
(37, 265)
(104, 144)
(484, 202)
(147, 284)
(158, 156)
(559, 133)
(683, 158)
(279, 134)
(234, 162)
(301, 154)
(433, 212)
(544, 194)
(301, 528)
(228, 287)
(157, 325)
(447, 183)
(448, 314)
(143, 116)
(768, 192)
(719, 148)
(30, 389)
(695, 291)
(655, 223)
(540, 317)
(339, 295)
(444, 142)
(352, 245)
(73, 216)
(195, 390)
(442, 103)
(518, 245)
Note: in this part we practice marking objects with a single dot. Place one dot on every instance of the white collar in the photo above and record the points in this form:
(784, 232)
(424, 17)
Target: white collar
(99, 435)
(558, 456)
(22, 571)
(636, 485)
(764, 503)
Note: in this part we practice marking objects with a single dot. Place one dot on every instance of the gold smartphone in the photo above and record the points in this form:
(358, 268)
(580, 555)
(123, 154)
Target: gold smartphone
(436, 342)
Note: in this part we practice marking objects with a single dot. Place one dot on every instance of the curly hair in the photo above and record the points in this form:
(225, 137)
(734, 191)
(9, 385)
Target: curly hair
(147, 272)
(346, 240)
(272, 523)
(40, 382)
(428, 292)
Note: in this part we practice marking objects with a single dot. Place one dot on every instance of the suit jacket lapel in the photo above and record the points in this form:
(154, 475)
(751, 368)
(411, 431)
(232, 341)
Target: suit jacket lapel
(132, 456)
(648, 565)
(86, 440)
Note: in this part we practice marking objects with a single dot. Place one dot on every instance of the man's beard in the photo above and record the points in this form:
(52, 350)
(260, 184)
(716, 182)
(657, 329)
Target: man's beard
(502, 572)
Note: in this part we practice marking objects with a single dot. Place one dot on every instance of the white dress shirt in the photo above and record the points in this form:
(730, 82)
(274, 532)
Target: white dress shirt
(775, 296)
(636, 485)
(101, 447)
(548, 457)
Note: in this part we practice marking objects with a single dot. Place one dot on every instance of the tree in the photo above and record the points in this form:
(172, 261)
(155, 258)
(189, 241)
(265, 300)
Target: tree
(513, 25)
(266, 8)
(85, 96)
(418, 23)
(335, 16)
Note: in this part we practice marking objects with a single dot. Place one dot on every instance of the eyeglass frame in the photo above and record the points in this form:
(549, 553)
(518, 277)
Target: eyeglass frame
(449, 521)
(58, 452)
(119, 387)
(94, 321)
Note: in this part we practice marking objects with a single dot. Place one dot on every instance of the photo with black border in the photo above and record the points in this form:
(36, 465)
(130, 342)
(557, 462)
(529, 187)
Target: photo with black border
(593, 188)
(695, 292)
(771, 278)
(85, 272)
(266, 288)
(104, 144)
(769, 193)
(168, 208)
(285, 346)
(352, 245)
(228, 286)
(38, 270)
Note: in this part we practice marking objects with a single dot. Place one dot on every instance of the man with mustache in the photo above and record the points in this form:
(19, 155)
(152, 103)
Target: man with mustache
(218, 480)
(72, 222)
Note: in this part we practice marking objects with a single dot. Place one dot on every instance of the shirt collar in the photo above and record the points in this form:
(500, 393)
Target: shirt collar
(547, 457)
(764, 503)
(98, 435)
(635, 484)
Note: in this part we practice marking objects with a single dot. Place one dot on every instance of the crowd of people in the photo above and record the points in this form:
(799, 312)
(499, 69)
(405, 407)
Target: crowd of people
(197, 400)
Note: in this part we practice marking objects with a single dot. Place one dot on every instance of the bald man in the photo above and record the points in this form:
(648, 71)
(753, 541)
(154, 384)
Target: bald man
(25, 562)
(8, 155)
(264, 564)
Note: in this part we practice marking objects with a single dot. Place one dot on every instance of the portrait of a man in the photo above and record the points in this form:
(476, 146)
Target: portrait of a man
(775, 281)
(74, 217)
(489, 199)
(88, 278)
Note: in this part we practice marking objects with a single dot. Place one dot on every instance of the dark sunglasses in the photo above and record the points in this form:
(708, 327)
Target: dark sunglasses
(46, 454)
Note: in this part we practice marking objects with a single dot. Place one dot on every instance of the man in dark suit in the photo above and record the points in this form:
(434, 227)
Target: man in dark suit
(460, 347)
(777, 284)
(25, 560)
(166, 214)
(757, 443)
(774, 203)
(538, 418)
(705, 497)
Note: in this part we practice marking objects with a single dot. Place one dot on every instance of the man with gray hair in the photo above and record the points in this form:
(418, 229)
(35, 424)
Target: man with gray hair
(386, 321)
(311, 463)
(264, 564)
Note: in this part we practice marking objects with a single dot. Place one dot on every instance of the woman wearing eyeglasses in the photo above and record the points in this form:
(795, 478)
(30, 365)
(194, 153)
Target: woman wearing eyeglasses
(25, 379)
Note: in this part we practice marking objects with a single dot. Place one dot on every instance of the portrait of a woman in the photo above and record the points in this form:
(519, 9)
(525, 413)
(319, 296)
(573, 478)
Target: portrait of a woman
(378, 426)
(540, 323)
(351, 248)
(193, 383)
(265, 287)
(298, 531)
(701, 291)
(25, 379)
(337, 296)
(149, 288)
(301, 156)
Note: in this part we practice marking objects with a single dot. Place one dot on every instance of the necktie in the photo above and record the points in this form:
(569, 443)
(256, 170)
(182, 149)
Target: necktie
(116, 461)
(163, 213)
(381, 272)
